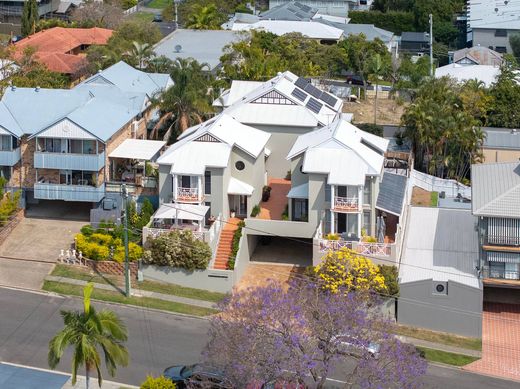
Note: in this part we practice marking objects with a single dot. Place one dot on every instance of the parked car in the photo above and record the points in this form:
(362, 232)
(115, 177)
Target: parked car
(157, 18)
(197, 375)
(356, 347)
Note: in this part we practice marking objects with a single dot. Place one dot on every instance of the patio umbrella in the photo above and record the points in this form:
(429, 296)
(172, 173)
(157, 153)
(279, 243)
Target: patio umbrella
(381, 228)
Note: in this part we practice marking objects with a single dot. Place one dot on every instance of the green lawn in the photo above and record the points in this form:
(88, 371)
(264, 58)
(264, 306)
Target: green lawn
(115, 297)
(151, 286)
(447, 358)
(434, 199)
(440, 337)
(144, 16)
(159, 4)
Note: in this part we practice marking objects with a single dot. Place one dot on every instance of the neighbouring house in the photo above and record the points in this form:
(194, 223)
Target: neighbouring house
(321, 32)
(485, 73)
(328, 7)
(285, 107)
(496, 204)
(62, 50)
(205, 46)
(491, 24)
(439, 286)
(58, 144)
(501, 145)
(476, 55)
(11, 13)
(415, 43)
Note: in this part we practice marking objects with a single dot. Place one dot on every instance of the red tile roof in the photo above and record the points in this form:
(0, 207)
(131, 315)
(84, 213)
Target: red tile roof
(53, 46)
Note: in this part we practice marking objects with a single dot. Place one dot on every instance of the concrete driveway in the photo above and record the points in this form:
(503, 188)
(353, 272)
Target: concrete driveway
(500, 342)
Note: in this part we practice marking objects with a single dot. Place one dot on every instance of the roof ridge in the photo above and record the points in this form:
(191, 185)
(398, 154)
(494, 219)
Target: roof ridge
(496, 199)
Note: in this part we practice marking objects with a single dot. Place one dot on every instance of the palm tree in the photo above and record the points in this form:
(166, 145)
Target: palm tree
(188, 101)
(204, 18)
(88, 332)
(378, 68)
(141, 53)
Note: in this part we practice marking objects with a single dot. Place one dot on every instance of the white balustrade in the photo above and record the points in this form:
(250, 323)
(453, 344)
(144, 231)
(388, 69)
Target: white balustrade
(346, 203)
(188, 194)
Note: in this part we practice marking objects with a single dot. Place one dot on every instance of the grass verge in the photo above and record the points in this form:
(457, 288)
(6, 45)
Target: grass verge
(115, 297)
(445, 357)
(151, 286)
(158, 4)
(440, 337)
(434, 199)
(144, 16)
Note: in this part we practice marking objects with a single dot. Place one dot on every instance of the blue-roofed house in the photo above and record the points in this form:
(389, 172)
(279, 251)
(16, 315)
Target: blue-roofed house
(56, 143)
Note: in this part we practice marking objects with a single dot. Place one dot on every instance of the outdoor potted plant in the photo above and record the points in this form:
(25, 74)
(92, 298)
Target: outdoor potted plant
(211, 220)
(266, 193)
(232, 213)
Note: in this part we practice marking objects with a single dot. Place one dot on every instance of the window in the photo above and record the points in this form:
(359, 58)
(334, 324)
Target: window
(89, 147)
(327, 192)
(500, 32)
(367, 191)
(76, 146)
(207, 182)
(5, 172)
(501, 49)
(366, 222)
(300, 210)
(239, 165)
(208, 214)
(6, 143)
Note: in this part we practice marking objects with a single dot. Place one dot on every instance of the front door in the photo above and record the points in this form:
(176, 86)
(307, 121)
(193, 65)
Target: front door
(238, 204)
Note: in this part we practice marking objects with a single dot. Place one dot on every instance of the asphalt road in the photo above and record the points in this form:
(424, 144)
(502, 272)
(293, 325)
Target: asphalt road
(157, 340)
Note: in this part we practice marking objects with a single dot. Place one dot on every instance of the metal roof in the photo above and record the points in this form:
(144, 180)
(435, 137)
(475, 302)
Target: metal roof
(289, 11)
(138, 149)
(370, 31)
(181, 211)
(485, 73)
(310, 29)
(299, 192)
(496, 189)
(237, 187)
(409, 36)
(493, 14)
(205, 46)
(391, 193)
(501, 138)
(440, 244)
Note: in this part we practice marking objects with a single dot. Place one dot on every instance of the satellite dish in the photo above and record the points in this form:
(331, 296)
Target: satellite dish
(178, 48)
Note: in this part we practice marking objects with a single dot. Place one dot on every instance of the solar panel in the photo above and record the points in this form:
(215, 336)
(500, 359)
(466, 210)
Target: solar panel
(328, 99)
(301, 82)
(299, 94)
(313, 91)
(314, 105)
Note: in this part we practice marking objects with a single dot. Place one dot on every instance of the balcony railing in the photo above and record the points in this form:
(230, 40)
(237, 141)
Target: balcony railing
(45, 191)
(187, 194)
(346, 204)
(504, 240)
(10, 158)
(363, 248)
(334, 245)
(68, 161)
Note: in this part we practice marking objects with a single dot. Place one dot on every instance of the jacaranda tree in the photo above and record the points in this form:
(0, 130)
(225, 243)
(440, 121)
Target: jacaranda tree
(302, 333)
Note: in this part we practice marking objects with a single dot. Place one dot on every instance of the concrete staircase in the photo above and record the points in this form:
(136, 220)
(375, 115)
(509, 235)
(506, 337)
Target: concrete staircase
(225, 244)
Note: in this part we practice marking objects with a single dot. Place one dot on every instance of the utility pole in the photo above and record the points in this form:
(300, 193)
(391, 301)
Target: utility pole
(176, 17)
(127, 264)
(431, 45)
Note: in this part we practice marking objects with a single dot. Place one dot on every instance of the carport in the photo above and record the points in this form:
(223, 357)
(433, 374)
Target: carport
(58, 209)
(283, 251)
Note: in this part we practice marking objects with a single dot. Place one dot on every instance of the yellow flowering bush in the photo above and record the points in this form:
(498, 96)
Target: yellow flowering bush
(347, 270)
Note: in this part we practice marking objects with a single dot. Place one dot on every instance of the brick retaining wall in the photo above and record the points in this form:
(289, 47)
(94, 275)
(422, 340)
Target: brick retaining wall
(111, 267)
(10, 225)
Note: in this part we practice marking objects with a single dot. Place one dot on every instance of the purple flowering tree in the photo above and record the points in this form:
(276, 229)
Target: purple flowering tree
(303, 334)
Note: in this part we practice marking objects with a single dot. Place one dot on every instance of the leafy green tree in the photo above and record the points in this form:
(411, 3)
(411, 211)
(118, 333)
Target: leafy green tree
(505, 109)
(410, 75)
(205, 17)
(90, 332)
(445, 136)
(30, 17)
(188, 101)
(514, 41)
(140, 54)
(157, 383)
(392, 5)
(395, 21)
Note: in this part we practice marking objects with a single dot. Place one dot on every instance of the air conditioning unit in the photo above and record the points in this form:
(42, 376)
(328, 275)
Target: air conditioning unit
(440, 287)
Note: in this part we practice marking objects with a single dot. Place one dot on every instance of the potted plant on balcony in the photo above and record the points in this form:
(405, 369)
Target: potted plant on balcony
(266, 193)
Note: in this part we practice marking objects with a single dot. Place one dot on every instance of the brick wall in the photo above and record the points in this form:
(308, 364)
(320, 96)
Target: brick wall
(11, 224)
(111, 267)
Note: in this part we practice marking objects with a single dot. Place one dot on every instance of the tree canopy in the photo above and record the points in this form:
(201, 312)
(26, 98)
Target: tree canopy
(505, 94)
(30, 17)
(205, 17)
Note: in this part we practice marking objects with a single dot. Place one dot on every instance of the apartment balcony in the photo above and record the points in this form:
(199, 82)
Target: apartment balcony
(48, 191)
(10, 158)
(345, 204)
(69, 161)
(188, 195)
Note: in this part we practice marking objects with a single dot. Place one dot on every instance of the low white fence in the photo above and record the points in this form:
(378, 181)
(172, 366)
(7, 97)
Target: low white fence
(132, 10)
(435, 184)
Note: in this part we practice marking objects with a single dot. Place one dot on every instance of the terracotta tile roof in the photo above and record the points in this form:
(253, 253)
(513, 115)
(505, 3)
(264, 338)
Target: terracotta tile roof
(55, 44)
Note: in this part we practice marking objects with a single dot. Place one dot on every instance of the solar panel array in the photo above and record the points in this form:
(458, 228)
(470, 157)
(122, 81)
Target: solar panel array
(301, 83)
(299, 94)
(328, 99)
(313, 91)
(314, 105)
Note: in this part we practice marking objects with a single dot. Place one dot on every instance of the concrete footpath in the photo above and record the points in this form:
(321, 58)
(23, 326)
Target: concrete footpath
(137, 292)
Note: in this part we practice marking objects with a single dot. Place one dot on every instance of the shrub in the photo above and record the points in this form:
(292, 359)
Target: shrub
(285, 214)
(346, 270)
(235, 245)
(9, 205)
(103, 247)
(390, 273)
(371, 128)
(266, 193)
(157, 383)
(288, 175)
(87, 230)
(178, 248)
(255, 211)
(332, 236)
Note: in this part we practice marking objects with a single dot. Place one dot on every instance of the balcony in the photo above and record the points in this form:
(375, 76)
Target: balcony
(346, 204)
(69, 161)
(47, 191)
(189, 195)
(10, 158)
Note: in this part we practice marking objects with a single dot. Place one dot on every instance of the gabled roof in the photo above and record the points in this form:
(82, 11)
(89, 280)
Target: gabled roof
(410, 36)
(209, 145)
(329, 150)
(237, 90)
(292, 10)
(485, 73)
(8, 122)
(310, 29)
(496, 189)
(259, 105)
(441, 245)
(480, 55)
(54, 45)
(370, 31)
(501, 138)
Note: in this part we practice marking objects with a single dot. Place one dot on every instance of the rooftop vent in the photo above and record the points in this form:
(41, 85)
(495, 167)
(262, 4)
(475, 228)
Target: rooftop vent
(37, 89)
(13, 87)
(178, 48)
(514, 131)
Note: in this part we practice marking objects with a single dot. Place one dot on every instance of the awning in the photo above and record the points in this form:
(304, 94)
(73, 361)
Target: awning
(504, 257)
(138, 149)
(299, 192)
(237, 187)
(181, 211)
